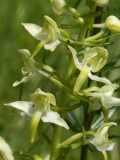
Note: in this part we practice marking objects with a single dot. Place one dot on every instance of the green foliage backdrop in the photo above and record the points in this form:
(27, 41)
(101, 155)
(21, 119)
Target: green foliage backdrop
(13, 37)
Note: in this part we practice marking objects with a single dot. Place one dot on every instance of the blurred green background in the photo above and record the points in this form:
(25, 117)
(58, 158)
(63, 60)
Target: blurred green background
(13, 36)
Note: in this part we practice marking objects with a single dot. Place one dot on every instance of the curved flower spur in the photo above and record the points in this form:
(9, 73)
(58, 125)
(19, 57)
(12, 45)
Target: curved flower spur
(94, 59)
(48, 34)
(39, 109)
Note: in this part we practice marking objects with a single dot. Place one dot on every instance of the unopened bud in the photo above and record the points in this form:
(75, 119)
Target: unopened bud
(113, 24)
(101, 3)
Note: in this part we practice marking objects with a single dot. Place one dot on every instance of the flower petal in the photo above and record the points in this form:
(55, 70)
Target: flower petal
(54, 117)
(74, 54)
(23, 106)
(52, 45)
(100, 139)
(5, 150)
(35, 31)
(96, 78)
(102, 145)
(24, 79)
(109, 101)
(25, 55)
(51, 98)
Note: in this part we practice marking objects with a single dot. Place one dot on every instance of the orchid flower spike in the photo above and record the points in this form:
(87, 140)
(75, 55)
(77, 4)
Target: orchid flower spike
(39, 109)
(48, 34)
(100, 140)
(60, 7)
(113, 24)
(94, 59)
(102, 96)
(101, 3)
(5, 150)
(28, 70)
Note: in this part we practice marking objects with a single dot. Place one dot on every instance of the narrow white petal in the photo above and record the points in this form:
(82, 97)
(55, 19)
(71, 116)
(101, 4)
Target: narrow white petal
(35, 30)
(102, 145)
(5, 150)
(96, 78)
(24, 79)
(54, 117)
(74, 54)
(52, 45)
(109, 101)
(23, 106)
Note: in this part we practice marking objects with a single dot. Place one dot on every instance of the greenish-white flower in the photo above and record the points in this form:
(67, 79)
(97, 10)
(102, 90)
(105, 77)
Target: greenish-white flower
(100, 140)
(102, 96)
(94, 59)
(60, 7)
(48, 34)
(113, 24)
(5, 150)
(28, 70)
(39, 109)
(101, 3)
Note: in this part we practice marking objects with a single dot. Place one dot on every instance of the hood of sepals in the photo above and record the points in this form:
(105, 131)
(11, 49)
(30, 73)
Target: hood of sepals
(41, 98)
(52, 26)
(95, 58)
(28, 64)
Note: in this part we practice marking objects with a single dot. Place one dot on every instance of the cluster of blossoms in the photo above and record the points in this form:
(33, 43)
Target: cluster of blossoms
(42, 105)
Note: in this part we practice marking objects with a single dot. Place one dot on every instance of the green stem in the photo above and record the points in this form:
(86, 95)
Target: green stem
(57, 109)
(58, 130)
(74, 138)
(83, 31)
(62, 86)
(105, 155)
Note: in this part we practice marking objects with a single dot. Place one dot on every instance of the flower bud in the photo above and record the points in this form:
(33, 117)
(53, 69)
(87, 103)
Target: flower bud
(113, 24)
(101, 3)
(58, 6)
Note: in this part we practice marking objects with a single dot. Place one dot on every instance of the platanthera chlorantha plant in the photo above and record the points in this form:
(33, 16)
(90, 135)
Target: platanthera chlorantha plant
(83, 80)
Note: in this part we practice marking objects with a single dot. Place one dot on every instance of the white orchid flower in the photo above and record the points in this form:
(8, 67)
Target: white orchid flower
(113, 24)
(28, 70)
(100, 140)
(39, 109)
(94, 59)
(101, 3)
(102, 96)
(60, 7)
(5, 150)
(48, 34)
